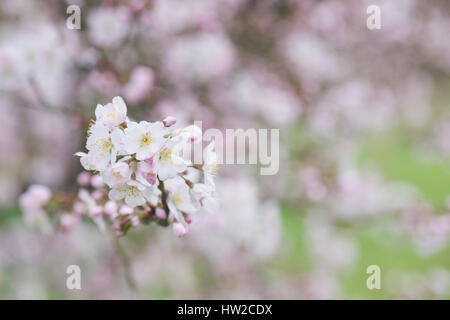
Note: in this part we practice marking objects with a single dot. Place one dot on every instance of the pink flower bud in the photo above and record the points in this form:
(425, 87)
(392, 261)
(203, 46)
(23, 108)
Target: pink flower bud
(68, 221)
(135, 221)
(96, 211)
(79, 208)
(97, 195)
(97, 181)
(35, 197)
(116, 225)
(124, 210)
(193, 133)
(84, 178)
(110, 209)
(179, 230)
(139, 85)
(145, 171)
(169, 121)
(137, 5)
(188, 218)
(160, 213)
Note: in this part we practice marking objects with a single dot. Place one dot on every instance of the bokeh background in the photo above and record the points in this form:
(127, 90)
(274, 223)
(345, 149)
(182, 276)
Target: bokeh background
(364, 119)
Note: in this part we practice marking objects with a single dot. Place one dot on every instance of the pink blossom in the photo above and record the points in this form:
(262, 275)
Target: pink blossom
(110, 209)
(139, 85)
(124, 210)
(169, 121)
(35, 197)
(68, 221)
(179, 230)
(97, 181)
(160, 213)
(84, 178)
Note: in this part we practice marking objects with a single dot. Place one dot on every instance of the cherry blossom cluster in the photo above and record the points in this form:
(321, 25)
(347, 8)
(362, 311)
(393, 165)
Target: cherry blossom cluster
(139, 172)
(145, 168)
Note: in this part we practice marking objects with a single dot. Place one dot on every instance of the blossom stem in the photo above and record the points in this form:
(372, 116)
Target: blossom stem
(164, 199)
(188, 182)
(126, 265)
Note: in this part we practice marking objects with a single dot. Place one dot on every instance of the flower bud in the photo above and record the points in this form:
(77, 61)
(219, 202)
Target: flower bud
(124, 210)
(97, 195)
(116, 225)
(191, 133)
(35, 197)
(179, 230)
(79, 208)
(110, 209)
(169, 121)
(135, 221)
(68, 221)
(160, 213)
(139, 85)
(84, 178)
(96, 211)
(97, 181)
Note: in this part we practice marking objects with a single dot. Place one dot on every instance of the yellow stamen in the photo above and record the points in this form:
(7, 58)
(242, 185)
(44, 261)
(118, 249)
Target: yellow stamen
(177, 199)
(146, 139)
(166, 156)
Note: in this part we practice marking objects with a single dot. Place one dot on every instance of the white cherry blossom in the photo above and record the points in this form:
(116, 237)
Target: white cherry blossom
(210, 164)
(191, 133)
(134, 193)
(118, 174)
(145, 172)
(100, 147)
(204, 197)
(112, 114)
(170, 163)
(91, 206)
(142, 165)
(144, 138)
(179, 198)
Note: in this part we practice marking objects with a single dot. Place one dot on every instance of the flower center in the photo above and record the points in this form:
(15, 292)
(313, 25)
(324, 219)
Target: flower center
(111, 115)
(130, 191)
(103, 145)
(177, 199)
(166, 156)
(117, 175)
(212, 170)
(146, 139)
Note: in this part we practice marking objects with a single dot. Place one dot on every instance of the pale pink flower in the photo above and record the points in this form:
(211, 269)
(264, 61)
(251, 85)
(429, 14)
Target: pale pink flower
(139, 85)
(179, 229)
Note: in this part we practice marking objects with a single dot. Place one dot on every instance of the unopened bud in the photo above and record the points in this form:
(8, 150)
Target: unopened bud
(97, 181)
(96, 211)
(135, 221)
(79, 208)
(179, 230)
(124, 210)
(97, 195)
(84, 178)
(160, 213)
(67, 221)
(169, 121)
(110, 209)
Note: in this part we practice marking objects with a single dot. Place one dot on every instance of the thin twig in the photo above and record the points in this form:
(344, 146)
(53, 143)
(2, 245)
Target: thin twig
(126, 266)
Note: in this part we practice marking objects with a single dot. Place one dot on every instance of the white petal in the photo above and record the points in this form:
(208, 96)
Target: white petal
(118, 102)
(116, 194)
(99, 111)
(134, 201)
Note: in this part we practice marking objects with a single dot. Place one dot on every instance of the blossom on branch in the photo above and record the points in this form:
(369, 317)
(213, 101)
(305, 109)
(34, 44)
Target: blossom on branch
(140, 174)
